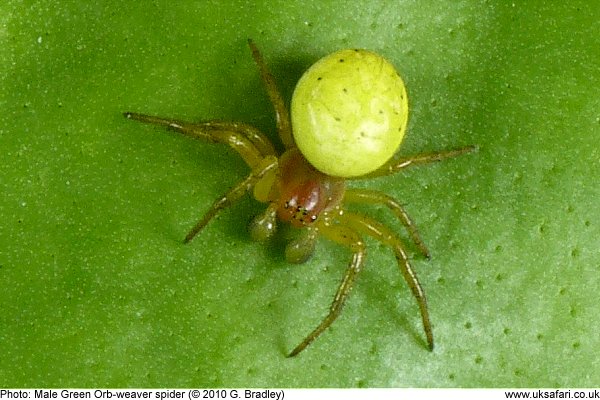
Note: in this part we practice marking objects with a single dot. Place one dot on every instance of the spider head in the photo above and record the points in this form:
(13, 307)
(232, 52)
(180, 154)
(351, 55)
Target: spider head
(304, 193)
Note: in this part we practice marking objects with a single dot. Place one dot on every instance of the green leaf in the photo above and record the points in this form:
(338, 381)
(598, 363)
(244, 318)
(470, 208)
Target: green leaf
(97, 288)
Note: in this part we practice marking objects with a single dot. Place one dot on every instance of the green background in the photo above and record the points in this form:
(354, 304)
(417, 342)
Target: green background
(96, 288)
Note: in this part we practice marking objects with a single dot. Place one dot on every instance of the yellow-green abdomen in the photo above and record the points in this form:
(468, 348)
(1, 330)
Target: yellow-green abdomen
(349, 113)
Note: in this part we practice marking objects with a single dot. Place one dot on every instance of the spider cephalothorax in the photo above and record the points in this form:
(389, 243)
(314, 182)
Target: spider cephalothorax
(349, 114)
(303, 192)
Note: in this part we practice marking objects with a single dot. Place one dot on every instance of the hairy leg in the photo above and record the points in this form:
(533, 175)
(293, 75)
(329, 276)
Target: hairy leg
(282, 116)
(346, 237)
(246, 140)
(393, 166)
(368, 226)
(366, 196)
(267, 164)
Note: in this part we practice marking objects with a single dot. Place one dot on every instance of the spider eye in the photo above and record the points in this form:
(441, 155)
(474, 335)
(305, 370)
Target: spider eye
(304, 205)
(349, 117)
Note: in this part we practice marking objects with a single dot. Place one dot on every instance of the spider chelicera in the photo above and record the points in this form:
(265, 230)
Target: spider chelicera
(299, 194)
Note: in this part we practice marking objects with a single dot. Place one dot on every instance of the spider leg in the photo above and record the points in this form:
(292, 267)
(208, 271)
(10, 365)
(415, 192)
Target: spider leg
(374, 197)
(251, 144)
(375, 229)
(347, 237)
(393, 166)
(266, 165)
(282, 115)
(258, 139)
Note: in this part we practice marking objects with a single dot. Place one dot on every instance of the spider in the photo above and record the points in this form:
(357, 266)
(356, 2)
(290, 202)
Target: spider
(298, 193)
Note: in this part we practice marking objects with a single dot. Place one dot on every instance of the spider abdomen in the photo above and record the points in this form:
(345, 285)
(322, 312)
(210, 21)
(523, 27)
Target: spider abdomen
(349, 113)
